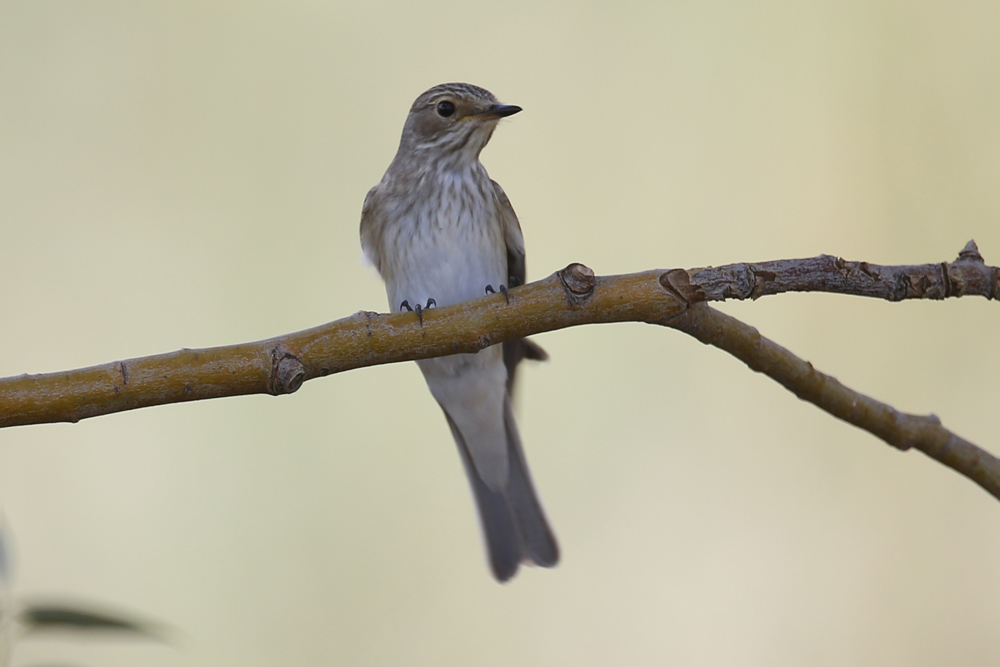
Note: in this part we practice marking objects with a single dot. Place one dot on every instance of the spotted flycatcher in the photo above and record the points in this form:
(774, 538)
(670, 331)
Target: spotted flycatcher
(440, 232)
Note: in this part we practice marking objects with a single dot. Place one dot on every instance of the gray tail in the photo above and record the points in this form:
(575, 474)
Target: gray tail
(513, 521)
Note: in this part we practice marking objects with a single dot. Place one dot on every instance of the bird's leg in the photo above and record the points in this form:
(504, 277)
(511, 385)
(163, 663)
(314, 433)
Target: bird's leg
(420, 313)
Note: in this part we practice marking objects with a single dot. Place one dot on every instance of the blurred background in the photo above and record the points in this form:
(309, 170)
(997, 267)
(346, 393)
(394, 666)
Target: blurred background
(191, 174)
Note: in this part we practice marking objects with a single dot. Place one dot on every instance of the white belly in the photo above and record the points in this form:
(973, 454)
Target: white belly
(448, 253)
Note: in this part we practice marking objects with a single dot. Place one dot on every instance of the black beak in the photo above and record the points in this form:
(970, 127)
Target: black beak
(497, 111)
(504, 110)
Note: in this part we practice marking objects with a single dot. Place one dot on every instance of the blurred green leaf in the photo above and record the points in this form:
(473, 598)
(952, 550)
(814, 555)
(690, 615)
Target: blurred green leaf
(46, 617)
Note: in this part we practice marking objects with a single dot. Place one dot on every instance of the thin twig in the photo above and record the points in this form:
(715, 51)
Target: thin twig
(966, 276)
(899, 429)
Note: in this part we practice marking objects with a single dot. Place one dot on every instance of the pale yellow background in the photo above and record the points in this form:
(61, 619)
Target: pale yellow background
(191, 174)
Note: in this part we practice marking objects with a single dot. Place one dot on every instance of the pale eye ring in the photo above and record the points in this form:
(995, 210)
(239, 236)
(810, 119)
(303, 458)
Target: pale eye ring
(446, 108)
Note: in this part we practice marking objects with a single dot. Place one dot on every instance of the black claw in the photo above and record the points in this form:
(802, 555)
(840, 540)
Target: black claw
(514, 281)
(418, 309)
(503, 290)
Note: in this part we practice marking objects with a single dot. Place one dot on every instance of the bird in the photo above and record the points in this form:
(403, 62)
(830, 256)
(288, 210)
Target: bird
(440, 231)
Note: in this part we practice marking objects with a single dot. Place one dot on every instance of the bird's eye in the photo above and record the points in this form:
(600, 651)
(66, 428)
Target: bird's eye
(446, 108)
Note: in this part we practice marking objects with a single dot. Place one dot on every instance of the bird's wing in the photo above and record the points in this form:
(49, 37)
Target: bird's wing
(371, 228)
(516, 270)
(522, 348)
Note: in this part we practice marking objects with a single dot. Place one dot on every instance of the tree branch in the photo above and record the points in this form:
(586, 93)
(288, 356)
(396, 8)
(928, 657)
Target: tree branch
(571, 297)
(966, 276)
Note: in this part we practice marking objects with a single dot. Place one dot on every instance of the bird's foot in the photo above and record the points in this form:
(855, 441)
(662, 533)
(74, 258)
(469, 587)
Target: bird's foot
(418, 309)
(503, 290)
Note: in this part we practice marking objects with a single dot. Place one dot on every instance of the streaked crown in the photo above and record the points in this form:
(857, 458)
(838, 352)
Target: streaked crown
(451, 122)
(473, 96)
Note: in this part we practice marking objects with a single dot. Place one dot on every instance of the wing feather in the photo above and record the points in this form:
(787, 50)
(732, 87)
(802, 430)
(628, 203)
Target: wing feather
(514, 350)
(371, 228)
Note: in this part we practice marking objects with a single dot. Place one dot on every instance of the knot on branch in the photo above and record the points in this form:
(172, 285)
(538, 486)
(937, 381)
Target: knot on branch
(678, 283)
(970, 253)
(578, 283)
(287, 373)
(975, 275)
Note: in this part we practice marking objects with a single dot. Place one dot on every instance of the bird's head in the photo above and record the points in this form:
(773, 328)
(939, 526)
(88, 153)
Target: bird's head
(452, 121)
